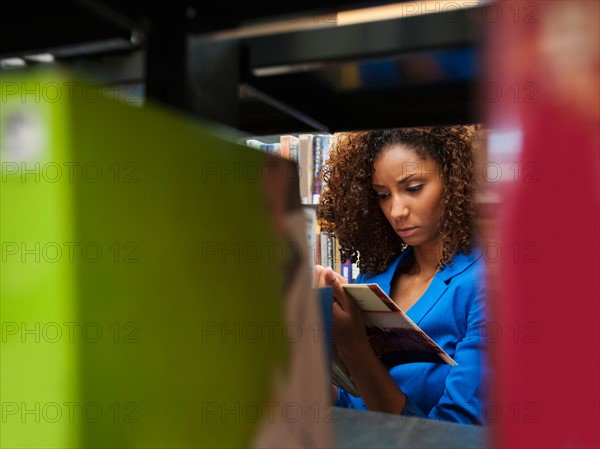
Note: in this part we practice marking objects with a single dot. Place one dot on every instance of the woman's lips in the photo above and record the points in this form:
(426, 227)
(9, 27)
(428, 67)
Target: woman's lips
(406, 232)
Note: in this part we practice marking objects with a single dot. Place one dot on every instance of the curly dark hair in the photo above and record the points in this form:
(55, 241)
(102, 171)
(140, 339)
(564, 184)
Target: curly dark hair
(349, 209)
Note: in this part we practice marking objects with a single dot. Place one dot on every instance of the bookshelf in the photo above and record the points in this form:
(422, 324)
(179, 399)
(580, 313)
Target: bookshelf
(366, 75)
(309, 152)
(326, 77)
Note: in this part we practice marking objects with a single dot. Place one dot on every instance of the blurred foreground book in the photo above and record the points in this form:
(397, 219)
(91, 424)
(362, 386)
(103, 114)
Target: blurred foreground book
(153, 280)
(545, 287)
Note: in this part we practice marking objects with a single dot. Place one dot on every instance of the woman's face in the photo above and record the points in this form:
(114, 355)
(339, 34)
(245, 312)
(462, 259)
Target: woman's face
(409, 191)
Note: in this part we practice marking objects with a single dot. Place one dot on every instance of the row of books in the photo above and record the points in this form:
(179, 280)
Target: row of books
(309, 151)
(325, 249)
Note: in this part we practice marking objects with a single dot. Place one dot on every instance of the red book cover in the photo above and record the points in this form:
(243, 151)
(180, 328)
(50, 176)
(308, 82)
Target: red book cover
(541, 99)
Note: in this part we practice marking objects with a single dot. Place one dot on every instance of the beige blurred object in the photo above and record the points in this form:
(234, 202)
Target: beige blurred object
(300, 400)
(569, 46)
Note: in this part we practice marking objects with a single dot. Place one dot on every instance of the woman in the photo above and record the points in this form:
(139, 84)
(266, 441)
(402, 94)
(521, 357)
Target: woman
(401, 202)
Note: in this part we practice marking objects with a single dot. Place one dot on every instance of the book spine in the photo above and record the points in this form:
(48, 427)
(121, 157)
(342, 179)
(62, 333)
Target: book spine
(355, 271)
(321, 145)
(310, 216)
(306, 167)
(253, 143)
(327, 139)
(318, 260)
(327, 251)
(317, 163)
(337, 260)
(284, 142)
(331, 247)
(276, 149)
(347, 271)
(295, 149)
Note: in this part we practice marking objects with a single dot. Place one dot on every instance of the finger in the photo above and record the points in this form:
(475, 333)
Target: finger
(337, 309)
(331, 276)
(319, 273)
(339, 295)
(341, 278)
(341, 298)
(345, 301)
(339, 315)
(332, 280)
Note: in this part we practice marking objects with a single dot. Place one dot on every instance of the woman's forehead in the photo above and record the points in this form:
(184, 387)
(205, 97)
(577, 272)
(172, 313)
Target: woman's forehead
(402, 160)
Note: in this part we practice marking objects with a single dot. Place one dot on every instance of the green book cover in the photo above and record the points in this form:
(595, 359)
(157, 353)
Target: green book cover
(142, 274)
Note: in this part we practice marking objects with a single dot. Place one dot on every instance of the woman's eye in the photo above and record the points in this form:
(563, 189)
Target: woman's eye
(382, 196)
(415, 188)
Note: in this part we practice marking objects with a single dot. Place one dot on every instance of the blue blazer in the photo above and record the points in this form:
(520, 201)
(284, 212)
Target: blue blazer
(452, 311)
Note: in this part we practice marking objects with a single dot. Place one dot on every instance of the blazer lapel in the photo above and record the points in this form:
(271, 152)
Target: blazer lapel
(431, 296)
(440, 282)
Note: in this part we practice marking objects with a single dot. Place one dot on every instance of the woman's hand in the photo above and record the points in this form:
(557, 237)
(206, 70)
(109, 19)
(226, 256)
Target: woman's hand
(377, 388)
(349, 334)
(320, 276)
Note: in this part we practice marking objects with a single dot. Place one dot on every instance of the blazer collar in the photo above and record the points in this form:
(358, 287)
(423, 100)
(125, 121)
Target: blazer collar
(458, 263)
(439, 284)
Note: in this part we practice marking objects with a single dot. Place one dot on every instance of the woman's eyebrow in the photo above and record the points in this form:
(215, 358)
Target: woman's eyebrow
(406, 178)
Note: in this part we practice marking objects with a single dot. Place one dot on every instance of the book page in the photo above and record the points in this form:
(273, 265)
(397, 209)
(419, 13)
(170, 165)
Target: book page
(370, 297)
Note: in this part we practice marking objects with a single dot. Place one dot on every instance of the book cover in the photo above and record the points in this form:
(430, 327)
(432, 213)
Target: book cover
(132, 299)
(394, 337)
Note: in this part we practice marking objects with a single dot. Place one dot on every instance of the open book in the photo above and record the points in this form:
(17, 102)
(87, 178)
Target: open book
(395, 338)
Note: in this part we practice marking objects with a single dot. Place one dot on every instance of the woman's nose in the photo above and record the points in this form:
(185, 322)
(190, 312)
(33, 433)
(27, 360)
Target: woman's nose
(399, 208)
